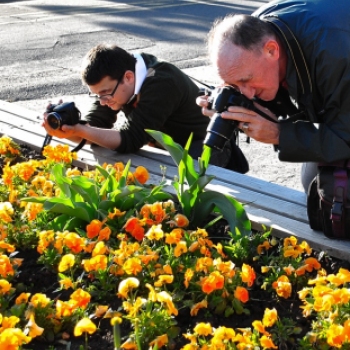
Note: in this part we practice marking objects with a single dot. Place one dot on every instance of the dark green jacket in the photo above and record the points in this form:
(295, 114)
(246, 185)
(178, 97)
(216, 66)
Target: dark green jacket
(167, 103)
(322, 28)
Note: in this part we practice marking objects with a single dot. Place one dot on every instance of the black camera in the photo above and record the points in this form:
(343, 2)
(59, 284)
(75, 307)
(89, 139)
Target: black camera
(220, 130)
(64, 113)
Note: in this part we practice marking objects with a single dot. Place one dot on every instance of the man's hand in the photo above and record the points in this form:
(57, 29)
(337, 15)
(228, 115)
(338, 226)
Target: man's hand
(202, 101)
(254, 125)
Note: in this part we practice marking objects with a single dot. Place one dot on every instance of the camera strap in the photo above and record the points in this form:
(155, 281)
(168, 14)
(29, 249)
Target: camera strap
(297, 56)
(48, 139)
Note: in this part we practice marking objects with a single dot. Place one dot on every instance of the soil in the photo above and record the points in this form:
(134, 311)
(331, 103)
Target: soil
(41, 280)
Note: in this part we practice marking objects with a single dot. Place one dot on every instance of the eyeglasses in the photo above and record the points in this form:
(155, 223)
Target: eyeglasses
(107, 97)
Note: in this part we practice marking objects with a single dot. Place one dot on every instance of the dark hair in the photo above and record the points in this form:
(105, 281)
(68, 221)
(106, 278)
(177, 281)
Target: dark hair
(106, 60)
(244, 31)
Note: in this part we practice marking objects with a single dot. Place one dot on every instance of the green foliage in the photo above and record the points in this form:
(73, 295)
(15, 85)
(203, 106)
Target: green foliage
(196, 202)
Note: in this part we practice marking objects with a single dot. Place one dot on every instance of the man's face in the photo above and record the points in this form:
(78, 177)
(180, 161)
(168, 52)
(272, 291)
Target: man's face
(253, 73)
(114, 93)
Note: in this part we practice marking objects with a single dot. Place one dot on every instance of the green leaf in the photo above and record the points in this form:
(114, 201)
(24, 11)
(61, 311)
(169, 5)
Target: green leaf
(232, 211)
(177, 153)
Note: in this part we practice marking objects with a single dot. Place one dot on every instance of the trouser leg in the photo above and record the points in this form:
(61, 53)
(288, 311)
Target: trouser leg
(308, 172)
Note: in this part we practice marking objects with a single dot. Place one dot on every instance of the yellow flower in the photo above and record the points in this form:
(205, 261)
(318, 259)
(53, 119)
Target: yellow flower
(283, 287)
(164, 297)
(13, 339)
(267, 343)
(5, 287)
(160, 341)
(66, 262)
(66, 283)
(248, 275)
(84, 326)
(33, 329)
(155, 233)
(127, 285)
(203, 329)
(270, 317)
(132, 266)
(162, 279)
(40, 300)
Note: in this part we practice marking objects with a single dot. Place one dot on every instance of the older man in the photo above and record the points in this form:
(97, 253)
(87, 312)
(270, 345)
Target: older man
(252, 54)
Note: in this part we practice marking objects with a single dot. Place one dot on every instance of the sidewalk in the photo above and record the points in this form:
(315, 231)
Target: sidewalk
(263, 160)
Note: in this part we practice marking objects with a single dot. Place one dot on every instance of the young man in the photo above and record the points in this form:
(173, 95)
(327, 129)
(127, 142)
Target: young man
(152, 94)
(251, 54)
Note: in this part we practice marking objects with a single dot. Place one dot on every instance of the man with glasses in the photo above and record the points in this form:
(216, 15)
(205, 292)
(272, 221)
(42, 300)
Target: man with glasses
(153, 94)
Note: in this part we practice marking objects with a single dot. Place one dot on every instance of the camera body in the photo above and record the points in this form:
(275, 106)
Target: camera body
(65, 113)
(220, 130)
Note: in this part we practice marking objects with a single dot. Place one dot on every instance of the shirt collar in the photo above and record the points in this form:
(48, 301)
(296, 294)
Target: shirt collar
(140, 72)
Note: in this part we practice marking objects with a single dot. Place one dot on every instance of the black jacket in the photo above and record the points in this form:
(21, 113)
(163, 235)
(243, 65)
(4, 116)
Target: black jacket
(167, 103)
(322, 28)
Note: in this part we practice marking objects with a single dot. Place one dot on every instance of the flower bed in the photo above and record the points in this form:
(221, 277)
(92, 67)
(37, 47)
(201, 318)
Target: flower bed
(100, 258)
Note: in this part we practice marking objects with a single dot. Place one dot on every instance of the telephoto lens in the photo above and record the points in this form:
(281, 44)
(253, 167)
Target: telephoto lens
(219, 131)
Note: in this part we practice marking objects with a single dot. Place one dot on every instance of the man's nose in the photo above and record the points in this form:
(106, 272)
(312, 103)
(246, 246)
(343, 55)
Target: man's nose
(247, 92)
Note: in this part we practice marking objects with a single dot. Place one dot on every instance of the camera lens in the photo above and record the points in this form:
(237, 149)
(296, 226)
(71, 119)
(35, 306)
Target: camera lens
(219, 131)
(54, 120)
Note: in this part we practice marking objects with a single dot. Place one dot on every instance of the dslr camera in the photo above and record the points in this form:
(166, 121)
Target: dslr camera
(220, 130)
(64, 113)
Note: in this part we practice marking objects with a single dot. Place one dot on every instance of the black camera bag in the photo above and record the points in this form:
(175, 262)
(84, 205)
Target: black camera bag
(328, 200)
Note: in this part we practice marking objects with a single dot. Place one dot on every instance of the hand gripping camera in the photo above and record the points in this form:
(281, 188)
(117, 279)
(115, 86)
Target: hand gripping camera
(220, 130)
(64, 113)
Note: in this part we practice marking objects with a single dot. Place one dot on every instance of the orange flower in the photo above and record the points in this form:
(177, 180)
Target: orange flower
(134, 227)
(212, 282)
(81, 297)
(141, 174)
(174, 236)
(283, 287)
(263, 247)
(241, 294)
(181, 220)
(196, 307)
(93, 229)
(248, 275)
(159, 342)
(104, 234)
(74, 242)
(158, 212)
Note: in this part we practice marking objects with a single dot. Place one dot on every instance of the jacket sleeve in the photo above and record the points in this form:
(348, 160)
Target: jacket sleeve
(329, 140)
(159, 97)
(101, 116)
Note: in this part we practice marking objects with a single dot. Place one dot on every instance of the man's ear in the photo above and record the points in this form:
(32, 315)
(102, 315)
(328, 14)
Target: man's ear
(272, 49)
(129, 77)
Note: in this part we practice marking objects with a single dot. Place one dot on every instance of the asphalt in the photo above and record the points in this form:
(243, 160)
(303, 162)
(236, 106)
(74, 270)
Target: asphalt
(263, 160)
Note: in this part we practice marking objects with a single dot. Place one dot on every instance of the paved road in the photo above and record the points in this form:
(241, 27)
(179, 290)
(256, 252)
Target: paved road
(42, 42)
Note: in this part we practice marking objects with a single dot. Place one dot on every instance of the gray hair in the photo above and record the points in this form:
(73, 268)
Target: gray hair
(244, 31)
